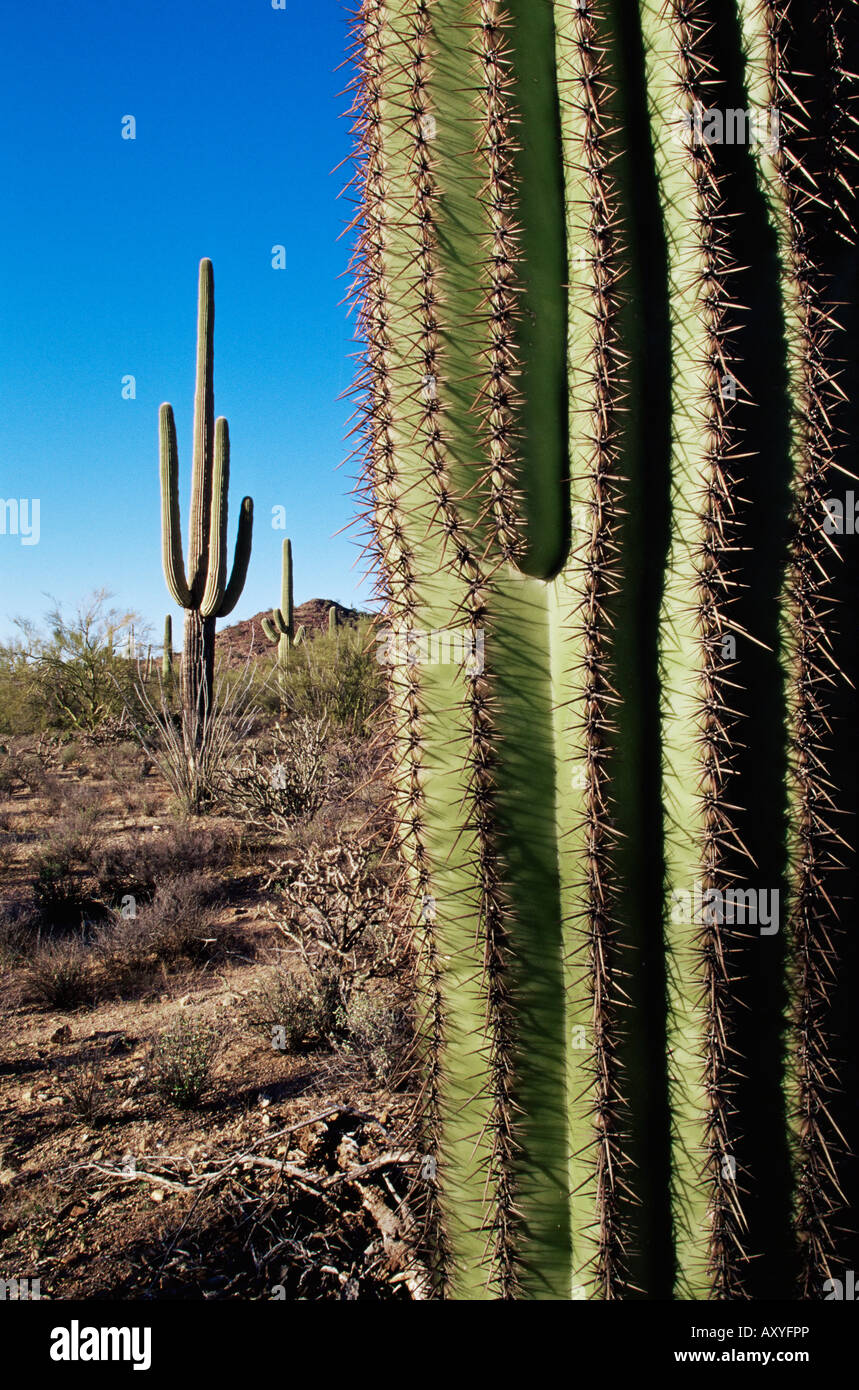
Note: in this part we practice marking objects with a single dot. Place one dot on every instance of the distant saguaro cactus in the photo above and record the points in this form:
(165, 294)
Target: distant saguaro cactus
(204, 591)
(167, 650)
(281, 628)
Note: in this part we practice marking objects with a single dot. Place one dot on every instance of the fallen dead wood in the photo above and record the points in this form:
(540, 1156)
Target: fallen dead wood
(343, 1133)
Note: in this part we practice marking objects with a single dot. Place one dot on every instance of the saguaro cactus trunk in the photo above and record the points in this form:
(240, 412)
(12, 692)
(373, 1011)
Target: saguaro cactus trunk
(205, 593)
(551, 271)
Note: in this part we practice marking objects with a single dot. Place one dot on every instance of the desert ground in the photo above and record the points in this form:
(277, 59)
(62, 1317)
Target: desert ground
(207, 1073)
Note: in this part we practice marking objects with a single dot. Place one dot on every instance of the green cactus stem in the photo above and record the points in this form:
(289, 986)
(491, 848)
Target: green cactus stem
(814, 845)
(167, 651)
(548, 252)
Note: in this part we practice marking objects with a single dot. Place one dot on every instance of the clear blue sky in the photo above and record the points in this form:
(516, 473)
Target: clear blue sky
(239, 128)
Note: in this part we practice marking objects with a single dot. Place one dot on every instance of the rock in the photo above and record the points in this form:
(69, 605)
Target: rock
(62, 1035)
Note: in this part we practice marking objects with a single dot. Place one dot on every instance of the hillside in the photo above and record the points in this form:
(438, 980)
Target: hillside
(239, 640)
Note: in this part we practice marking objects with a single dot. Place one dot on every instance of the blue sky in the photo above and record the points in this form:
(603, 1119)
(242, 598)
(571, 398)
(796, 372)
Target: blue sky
(239, 128)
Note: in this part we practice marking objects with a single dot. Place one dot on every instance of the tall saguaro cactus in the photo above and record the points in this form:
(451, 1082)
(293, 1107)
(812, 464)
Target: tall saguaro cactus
(281, 627)
(203, 590)
(551, 274)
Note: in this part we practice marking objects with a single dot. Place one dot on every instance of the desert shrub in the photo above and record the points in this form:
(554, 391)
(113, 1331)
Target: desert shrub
(70, 758)
(61, 974)
(182, 1061)
(337, 909)
(296, 1010)
(124, 960)
(19, 929)
(378, 1032)
(194, 759)
(179, 921)
(79, 674)
(137, 865)
(288, 782)
(35, 777)
(336, 677)
(22, 710)
(62, 897)
(127, 765)
(85, 1089)
(178, 924)
(10, 776)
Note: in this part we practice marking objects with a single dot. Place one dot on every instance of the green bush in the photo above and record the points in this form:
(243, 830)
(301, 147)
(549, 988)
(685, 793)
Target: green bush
(336, 677)
(182, 1061)
(376, 1031)
(75, 677)
(296, 1011)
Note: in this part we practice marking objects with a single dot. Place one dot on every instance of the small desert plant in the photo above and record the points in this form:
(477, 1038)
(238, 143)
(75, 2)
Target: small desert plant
(182, 1060)
(376, 1031)
(61, 974)
(290, 783)
(296, 1010)
(84, 1087)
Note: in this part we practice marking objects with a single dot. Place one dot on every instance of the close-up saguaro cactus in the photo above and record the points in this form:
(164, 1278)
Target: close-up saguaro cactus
(203, 590)
(603, 269)
(280, 627)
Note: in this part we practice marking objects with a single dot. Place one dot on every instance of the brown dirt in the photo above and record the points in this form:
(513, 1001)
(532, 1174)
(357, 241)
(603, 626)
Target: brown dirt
(72, 1219)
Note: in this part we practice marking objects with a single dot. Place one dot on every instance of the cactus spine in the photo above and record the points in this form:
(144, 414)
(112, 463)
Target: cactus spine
(203, 590)
(281, 627)
(510, 427)
(809, 663)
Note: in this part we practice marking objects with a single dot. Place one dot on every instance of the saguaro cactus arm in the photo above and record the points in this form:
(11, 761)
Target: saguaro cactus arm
(200, 529)
(241, 559)
(171, 522)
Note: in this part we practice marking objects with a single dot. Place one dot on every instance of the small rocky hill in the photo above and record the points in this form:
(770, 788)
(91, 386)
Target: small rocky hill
(236, 642)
